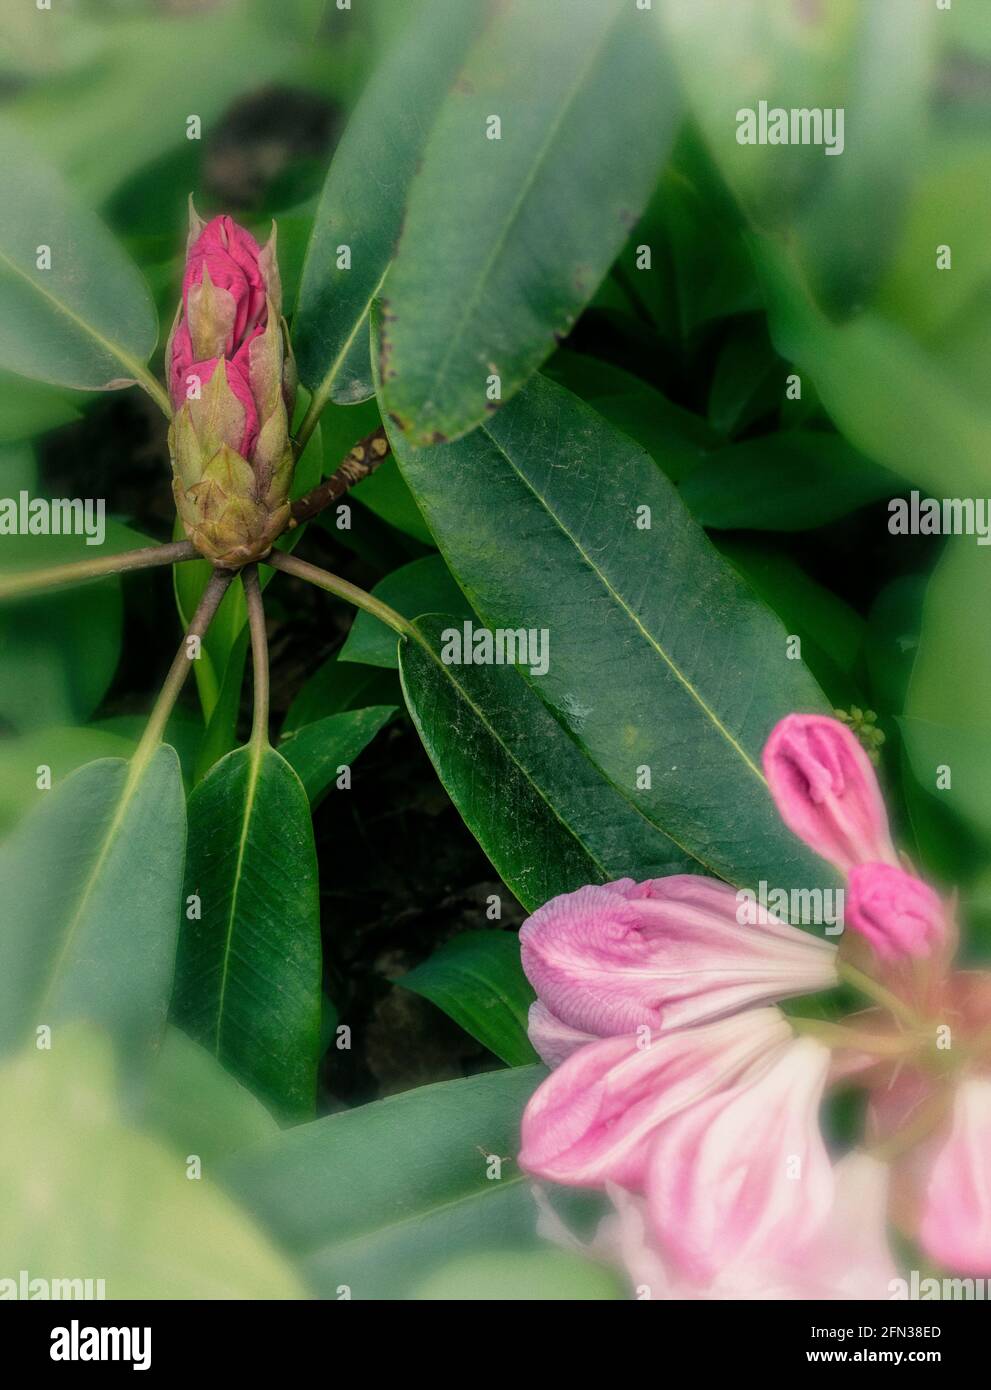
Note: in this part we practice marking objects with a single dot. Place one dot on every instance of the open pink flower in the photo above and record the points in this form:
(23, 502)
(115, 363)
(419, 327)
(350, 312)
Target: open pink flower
(955, 1225)
(594, 1119)
(744, 1175)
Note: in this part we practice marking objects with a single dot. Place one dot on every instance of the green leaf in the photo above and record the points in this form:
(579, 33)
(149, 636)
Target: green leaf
(831, 632)
(946, 722)
(29, 408)
(792, 481)
(88, 321)
(385, 494)
(196, 1106)
(423, 586)
(61, 651)
(477, 979)
(377, 1197)
(118, 1204)
(514, 1275)
(317, 751)
(91, 882)
(337, 686)
(661, 660)
(194, 63)
(364, 198)
(545, 815)
(873, 377)
(507, 239)
(62, 749)
(248, 970)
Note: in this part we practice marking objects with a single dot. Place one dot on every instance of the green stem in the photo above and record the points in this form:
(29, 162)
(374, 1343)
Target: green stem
(36, 581)
(866, 985)
(259, 655)
(179, 670)
(835, 1035)
(155, 390)
(323, 579)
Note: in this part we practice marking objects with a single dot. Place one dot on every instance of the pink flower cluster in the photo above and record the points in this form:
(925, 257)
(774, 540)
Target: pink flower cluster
(682, 1090)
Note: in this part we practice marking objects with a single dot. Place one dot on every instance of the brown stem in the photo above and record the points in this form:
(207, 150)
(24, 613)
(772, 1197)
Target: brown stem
(35, 581)
(362, 461)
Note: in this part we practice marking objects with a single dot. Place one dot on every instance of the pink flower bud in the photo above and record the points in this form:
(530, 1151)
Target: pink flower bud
(896, 912)
(955, 1227)
(826, 792)
(230, 378)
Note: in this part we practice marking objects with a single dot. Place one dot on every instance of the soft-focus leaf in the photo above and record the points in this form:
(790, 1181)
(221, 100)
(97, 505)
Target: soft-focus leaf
(510, 1276)
(85, 1195)
(506, 240)
(192, 1103)
(477, 979)
(377, 1197)
(88, 320)
(63, 749)
(248, 969)
(337, 686)
(91, 884)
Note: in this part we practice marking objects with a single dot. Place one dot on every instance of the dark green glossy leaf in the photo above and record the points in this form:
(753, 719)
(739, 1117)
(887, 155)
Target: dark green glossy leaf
(91, 884)
(661, 660)
(507, 239)
(248, 971)
(423, 586)
(317, 752)
(546, 816)
(477, 979)
(377, 1197)
(365, 194)
(791, 481)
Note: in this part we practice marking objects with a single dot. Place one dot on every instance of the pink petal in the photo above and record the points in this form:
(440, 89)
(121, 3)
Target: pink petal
(826, 791)
(665, 953)
(555, 1041)
(592, 1120)
(955, 1227)
(743, 1176)
(232, 256)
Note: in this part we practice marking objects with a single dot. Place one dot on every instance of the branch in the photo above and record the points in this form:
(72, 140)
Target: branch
(179, 670)
(259, 654)
(36, 581)
(323, 579)
(362, 461)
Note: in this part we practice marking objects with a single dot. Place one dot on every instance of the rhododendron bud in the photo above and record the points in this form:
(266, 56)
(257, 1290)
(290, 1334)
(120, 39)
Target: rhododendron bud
(743, 1175)
(665, 953)
(592, 1120)
(955, 1225)
(231, 380)
(826, 791)
(896, 912)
